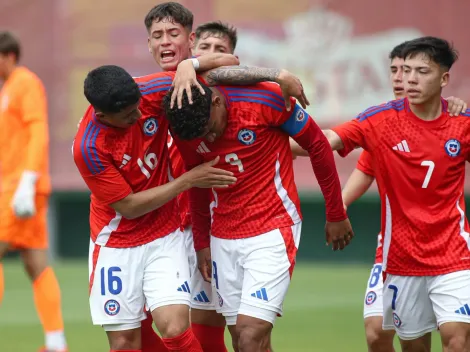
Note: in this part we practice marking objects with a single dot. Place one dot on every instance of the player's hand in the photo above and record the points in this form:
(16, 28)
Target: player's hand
(23, 202)
(204, 263)
(292, 87)
(339, 234)
(185, 78)
(456, 106)
(208, 176)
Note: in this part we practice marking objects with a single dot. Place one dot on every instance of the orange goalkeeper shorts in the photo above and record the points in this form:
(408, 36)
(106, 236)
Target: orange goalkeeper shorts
(30, 233)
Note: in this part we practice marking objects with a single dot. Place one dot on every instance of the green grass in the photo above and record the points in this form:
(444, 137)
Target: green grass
(322, 312)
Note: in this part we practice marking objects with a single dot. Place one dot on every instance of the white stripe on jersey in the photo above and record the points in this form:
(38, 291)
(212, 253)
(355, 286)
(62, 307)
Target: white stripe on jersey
(289, 205)
(465, 235)
(388, 232)
(106, 231)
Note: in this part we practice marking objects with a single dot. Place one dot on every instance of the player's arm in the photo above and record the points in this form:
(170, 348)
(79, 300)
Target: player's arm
(34, 116)
(359, 181)
(199, 198)
(109, 186)
(296, 149)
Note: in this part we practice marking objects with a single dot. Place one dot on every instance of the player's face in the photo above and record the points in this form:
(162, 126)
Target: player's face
(423, 79)
(396, 77)
(169, 43)
(122, 119)
(217, 121)
(210, 43)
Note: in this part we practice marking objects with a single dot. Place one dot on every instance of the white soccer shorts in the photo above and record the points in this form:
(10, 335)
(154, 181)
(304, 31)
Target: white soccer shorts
(251, 275)
(416, 305)
(373, 300)
(201, 290)
(123, 280)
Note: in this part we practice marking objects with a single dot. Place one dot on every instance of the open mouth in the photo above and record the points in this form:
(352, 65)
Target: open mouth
(167, 55)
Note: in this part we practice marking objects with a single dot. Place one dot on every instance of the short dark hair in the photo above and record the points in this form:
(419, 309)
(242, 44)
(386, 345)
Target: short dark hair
(111, 89)
(220, 29)
(397, 51)
(191, 120)
(436, 49)
(172, 11)
(9, 45)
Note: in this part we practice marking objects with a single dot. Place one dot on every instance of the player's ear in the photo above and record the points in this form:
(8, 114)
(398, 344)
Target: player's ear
(192, 37)
(216, 100)
(148, 45)
(445, 78)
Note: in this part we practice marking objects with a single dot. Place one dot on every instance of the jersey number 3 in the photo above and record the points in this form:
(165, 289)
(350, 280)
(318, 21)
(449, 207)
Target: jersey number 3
(232, 159)
(430, 165)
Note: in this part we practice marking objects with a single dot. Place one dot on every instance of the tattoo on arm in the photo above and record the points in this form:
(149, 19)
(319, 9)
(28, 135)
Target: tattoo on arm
(242, 75)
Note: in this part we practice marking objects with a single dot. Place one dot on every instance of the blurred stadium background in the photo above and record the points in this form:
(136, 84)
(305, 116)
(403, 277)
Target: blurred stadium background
(338, 48)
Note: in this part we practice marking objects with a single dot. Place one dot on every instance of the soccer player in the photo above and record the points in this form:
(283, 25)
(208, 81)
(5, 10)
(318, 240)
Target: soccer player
(418, 153)
(25, 185)
(256, 223)
(379, 340)
(170, 37)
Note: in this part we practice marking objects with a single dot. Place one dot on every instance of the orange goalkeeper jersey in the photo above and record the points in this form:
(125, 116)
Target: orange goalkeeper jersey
(24, 137)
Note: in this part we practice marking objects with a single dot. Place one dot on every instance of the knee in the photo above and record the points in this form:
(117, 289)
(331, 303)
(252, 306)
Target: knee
(171, 321)
(123, 340)
(379, 340)
(253, 335)
(457, 343)
(174, 328)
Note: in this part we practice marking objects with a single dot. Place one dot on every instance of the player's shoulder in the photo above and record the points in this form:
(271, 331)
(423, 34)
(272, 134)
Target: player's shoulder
(25, 78)
(465, 116)
(391, 108)
(89, 139)
(265, 95)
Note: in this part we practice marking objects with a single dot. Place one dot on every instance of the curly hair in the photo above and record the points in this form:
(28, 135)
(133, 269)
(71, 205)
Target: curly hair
(191, 120)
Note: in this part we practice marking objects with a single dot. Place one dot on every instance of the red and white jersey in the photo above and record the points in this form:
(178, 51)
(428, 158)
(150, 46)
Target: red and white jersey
(117, 162)
(420, 170)
(365, 165)
(255, 147)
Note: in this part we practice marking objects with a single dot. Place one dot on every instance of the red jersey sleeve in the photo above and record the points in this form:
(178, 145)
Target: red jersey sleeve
(97, 169)
(298, 124)
(199, 198)
(364, 164)
(153, 88)
(359, 132)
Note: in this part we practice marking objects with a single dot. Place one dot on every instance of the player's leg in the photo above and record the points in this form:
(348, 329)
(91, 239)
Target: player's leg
(116, 295)
(167, 262)
(450, 296)
(3, 250)
(6, 233)
(207, 324)
(151, 342)
(378, 340)
(408, 310)
(268, 266)
(227, 281)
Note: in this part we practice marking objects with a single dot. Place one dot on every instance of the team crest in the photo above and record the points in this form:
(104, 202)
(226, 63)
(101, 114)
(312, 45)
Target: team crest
(112, 307)
(396, 320)
(246, 136)
(221, 301)
(370, 297)
(300, 116)
(150, 127)
(452, 147)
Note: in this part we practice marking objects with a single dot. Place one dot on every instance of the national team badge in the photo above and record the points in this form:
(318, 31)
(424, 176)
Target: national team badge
(150, 127)
(246, 136)
(396, 320)
(112, 307)
(370, 297)
(300, 116)
(452, 147)
(221, 301)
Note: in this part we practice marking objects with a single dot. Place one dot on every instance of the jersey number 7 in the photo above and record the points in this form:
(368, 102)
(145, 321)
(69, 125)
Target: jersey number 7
(430, 165)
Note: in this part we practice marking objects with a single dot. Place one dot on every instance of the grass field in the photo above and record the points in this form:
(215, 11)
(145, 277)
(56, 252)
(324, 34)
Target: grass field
(323, 311)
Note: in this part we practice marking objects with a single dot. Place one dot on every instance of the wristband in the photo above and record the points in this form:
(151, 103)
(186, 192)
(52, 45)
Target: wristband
(195, 63)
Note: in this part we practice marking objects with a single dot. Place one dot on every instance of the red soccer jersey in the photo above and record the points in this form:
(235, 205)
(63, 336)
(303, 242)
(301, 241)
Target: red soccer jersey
(420, 170)
(114, 163)
(255, 146)
(365, 165)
